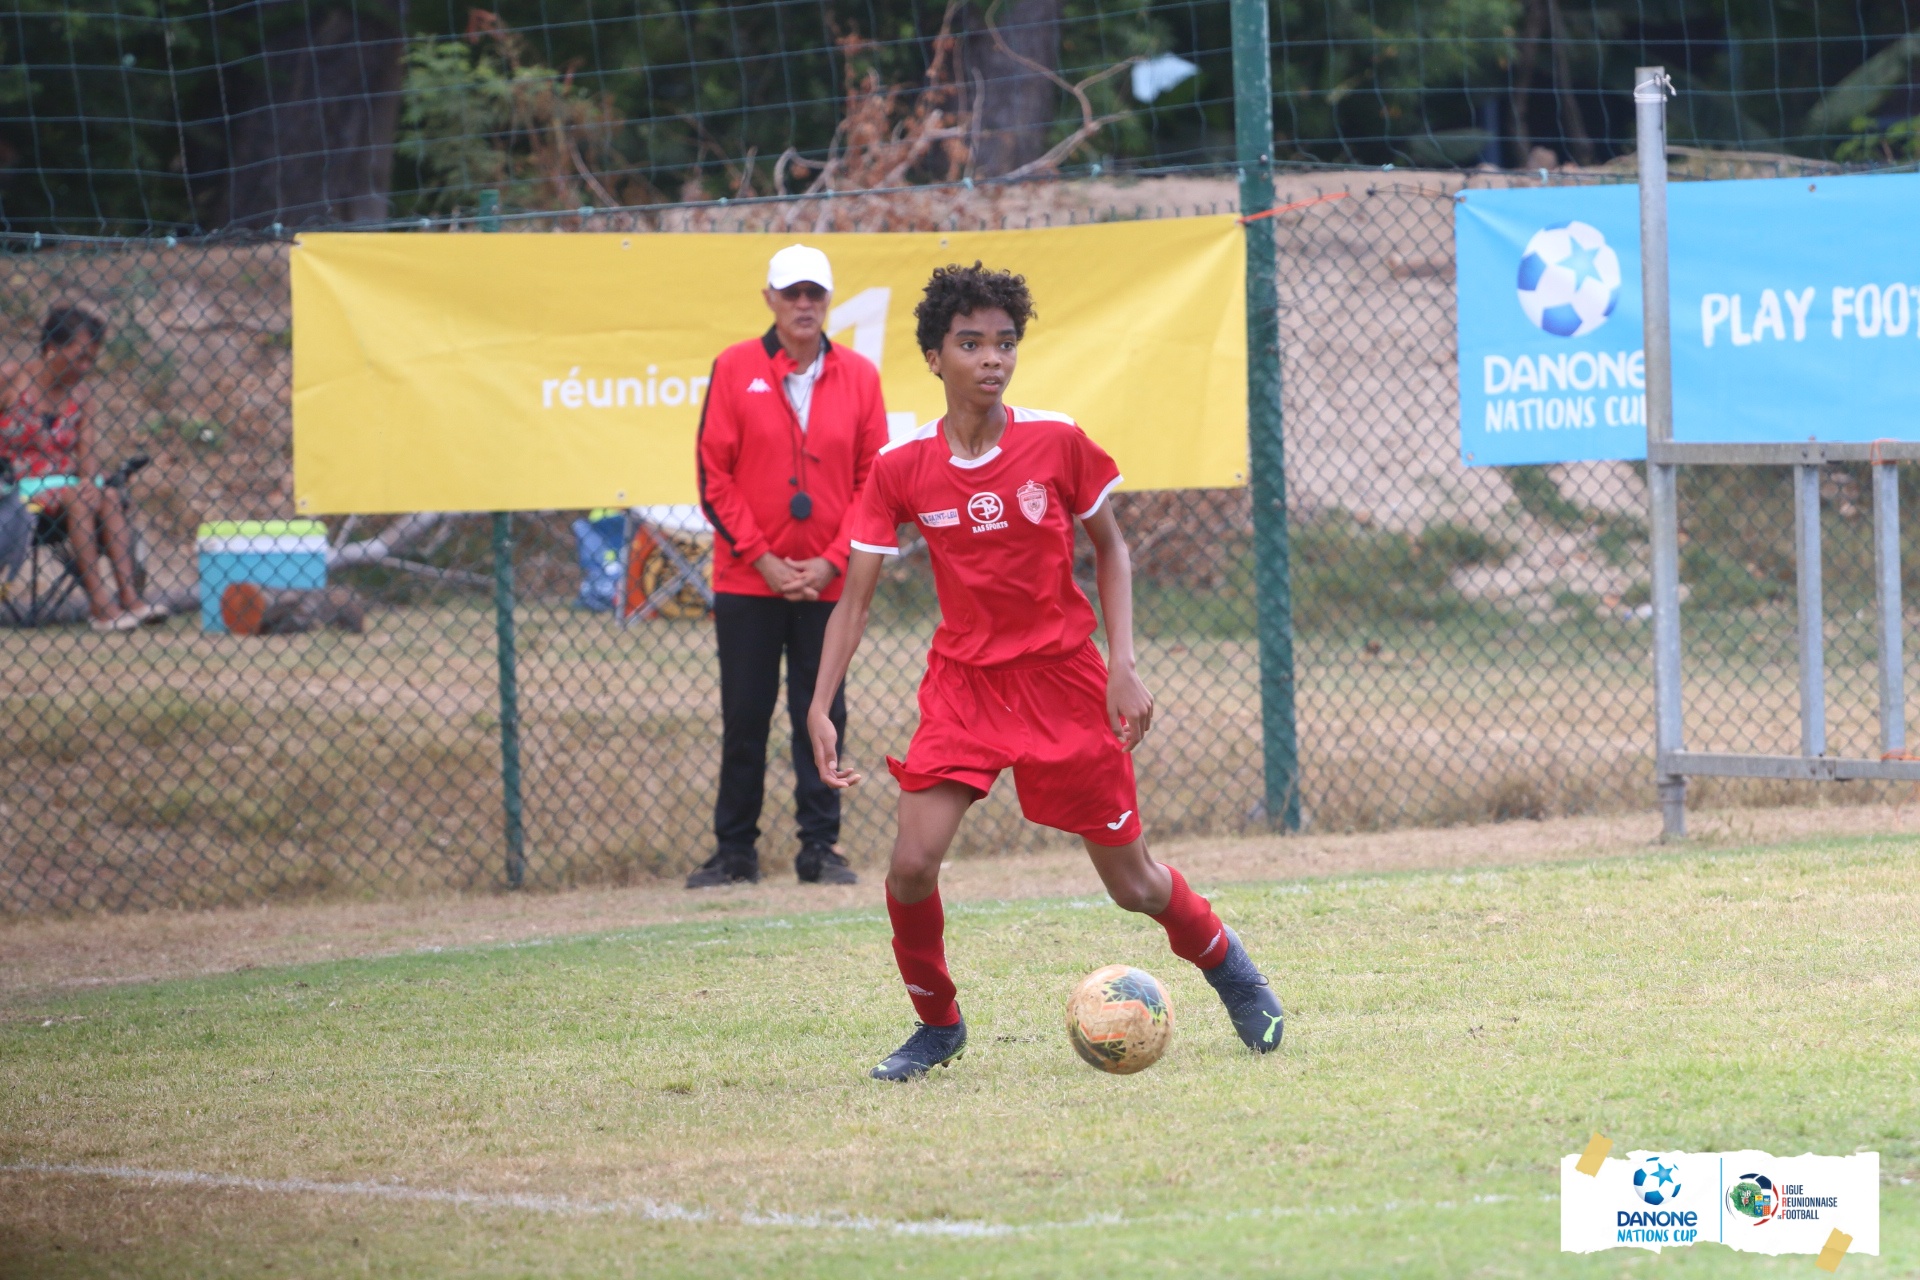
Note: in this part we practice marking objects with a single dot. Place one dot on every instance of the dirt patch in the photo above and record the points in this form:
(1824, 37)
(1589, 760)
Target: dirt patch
(42, 957)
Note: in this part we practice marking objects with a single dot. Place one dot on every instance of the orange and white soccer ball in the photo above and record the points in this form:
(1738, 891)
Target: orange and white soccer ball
(1119, 1019)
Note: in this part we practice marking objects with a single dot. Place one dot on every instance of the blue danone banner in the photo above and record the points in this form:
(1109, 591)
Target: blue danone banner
(1795, 316)
(1551, 368)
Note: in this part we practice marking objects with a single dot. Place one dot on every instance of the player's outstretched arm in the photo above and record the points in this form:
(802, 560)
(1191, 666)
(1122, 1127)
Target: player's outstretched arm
(844, 629)
(1129, 705)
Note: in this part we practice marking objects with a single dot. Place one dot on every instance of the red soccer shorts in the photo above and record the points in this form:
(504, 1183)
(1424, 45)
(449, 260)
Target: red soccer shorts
(1048, 723)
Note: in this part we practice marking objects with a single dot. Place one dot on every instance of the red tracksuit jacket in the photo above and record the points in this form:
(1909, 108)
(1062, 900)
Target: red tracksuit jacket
(750, 449)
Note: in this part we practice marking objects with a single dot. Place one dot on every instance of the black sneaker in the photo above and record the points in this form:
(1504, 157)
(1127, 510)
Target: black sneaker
(725, 868)
(1251, 1003)
(819, 864)
(927, 1048)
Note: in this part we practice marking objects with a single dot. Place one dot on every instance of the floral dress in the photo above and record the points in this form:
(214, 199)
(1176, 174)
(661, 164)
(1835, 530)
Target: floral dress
(41, 444)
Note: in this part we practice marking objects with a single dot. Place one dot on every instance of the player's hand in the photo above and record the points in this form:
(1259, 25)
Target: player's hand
(1129, 707)
(826, 751)
(811, 577)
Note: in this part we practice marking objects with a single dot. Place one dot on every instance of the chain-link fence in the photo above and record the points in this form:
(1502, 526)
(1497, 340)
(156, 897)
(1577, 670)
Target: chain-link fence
(1471, 644)
(150, 117)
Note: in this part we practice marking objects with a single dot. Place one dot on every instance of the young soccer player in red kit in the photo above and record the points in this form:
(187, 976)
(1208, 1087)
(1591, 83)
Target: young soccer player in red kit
(1013, 679)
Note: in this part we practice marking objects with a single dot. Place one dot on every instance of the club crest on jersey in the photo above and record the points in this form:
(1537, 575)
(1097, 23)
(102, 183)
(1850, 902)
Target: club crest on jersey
(986, 509)
(940, 519)
(1033, 500)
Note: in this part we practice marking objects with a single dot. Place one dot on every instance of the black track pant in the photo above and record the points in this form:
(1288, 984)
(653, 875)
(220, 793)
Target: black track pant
(753, 631)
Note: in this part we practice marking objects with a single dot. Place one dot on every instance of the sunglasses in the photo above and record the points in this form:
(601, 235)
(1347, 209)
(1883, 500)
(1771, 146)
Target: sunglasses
(803, 292)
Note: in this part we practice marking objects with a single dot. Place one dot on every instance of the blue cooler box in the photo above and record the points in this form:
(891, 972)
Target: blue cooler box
(290, 555)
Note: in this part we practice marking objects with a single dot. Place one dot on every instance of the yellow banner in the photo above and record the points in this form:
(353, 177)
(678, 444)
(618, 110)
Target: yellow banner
(533, 372)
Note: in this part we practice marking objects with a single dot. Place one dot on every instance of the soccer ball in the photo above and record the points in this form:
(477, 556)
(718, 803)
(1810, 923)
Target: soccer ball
(1119, 1019)
(1569, 279)
(1657, 1181)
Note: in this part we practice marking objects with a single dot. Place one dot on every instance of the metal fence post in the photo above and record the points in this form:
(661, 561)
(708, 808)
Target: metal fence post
(1812, 611)
(1650, 87)
(1266, 448)
(489, 220)
(1886, 576)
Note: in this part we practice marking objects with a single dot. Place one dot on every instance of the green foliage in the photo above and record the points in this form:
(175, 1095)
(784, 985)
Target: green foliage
(1897, 143)
(479, 114)
(1462, 544)
(117, 114)
(1718, 581)
(1540, 497)
(1346, 573)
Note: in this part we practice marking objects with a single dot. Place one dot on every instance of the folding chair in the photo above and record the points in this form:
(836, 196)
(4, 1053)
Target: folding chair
(52, 567)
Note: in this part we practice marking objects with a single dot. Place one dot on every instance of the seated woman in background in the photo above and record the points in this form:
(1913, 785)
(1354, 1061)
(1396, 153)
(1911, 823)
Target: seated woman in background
(44, 431)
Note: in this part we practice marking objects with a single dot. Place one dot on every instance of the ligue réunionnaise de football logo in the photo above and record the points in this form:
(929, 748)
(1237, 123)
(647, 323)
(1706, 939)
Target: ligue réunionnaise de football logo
(1569, 279)
(1656, 1181)
(1754, 1196)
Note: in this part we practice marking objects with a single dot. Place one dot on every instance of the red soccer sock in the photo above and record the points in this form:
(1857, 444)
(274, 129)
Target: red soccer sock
(1193, 931)
(920, 949)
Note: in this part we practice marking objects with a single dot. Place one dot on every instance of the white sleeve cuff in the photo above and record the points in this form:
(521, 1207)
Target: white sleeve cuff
(868, 546)
(1088, 513)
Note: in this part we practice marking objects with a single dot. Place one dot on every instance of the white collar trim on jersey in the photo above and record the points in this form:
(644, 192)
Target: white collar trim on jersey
(971, 463)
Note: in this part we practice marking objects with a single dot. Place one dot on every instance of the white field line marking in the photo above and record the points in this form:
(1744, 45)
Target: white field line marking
(666, 1211)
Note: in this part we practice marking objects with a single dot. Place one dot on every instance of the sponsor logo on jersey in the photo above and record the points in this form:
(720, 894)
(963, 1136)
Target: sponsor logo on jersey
(986, 509)
(1033, 500)
(940, 519)
(759, 385)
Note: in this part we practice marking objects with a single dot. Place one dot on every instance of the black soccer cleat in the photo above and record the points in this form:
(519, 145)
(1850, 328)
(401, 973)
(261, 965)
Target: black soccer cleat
(820, 864)
(724, 869)
(1251, 1004)
(927, 1048)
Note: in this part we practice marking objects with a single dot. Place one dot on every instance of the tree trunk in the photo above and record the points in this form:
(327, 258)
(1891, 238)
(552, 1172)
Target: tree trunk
(1012, 103)
(312, 136)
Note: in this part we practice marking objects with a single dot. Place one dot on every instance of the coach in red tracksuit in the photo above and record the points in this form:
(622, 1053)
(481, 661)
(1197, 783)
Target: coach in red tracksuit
(788, 434)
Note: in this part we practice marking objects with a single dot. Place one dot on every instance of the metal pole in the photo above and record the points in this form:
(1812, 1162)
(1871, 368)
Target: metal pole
(1886, 578)
(1650, 87)
(1266, 448)
(489, 220)
(1813, 656)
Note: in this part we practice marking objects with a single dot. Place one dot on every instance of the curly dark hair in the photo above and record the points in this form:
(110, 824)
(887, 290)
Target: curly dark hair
(957, 291)
(64, 324)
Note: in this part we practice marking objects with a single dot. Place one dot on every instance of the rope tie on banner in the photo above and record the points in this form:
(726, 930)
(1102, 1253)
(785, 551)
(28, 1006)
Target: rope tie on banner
(1289, 208)
(1874, 457)
(1654, 89)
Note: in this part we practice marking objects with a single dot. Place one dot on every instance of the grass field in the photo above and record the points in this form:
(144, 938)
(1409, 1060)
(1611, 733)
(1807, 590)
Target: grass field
(686, 1098)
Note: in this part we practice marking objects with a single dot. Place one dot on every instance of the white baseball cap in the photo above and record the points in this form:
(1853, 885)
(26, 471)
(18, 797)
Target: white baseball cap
(798, 262)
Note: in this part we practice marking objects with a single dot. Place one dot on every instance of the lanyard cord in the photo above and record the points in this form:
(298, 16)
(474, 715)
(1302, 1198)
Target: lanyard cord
(801, 504)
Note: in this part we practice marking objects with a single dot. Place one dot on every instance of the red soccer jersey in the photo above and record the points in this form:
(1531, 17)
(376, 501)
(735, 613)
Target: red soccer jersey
(1000, 530)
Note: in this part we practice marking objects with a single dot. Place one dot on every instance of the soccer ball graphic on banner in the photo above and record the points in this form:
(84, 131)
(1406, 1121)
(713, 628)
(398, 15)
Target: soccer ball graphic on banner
(1119, 1019)
(1569, 279)
(1656, 1180)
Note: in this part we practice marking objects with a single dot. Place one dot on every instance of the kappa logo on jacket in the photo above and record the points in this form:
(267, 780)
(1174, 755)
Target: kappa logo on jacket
(759, 385)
